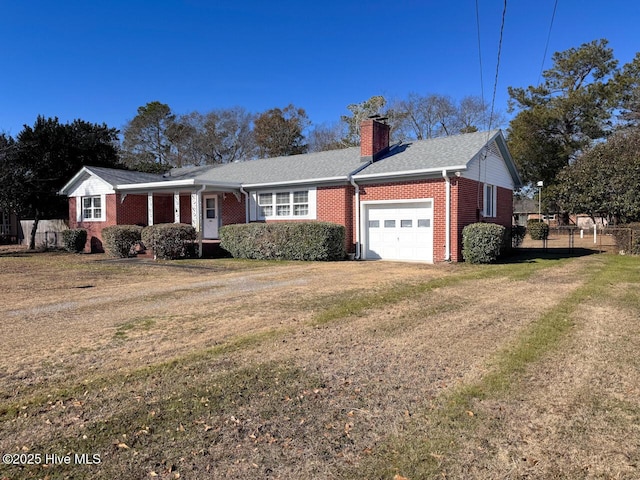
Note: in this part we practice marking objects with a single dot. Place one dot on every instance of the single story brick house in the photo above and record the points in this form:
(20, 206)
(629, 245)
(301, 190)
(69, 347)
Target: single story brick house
(408, 201)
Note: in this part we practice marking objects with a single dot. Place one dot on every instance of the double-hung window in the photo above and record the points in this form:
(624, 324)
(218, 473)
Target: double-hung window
(290, 204)
(490, 198)
(92, 208)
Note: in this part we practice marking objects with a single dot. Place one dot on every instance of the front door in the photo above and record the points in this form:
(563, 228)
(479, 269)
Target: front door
(210, 213)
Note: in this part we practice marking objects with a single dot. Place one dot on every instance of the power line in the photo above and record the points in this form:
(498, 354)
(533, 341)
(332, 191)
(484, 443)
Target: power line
(495, 83)
(479, 52)
(546, 47)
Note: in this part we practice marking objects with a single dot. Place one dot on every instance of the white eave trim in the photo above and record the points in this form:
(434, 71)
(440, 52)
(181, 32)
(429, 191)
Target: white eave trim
(411, 173)
(169, 184)
(83, 171)
(308, 181)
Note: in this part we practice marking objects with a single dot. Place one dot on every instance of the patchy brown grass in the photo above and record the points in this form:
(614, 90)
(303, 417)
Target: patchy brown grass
(229, 369)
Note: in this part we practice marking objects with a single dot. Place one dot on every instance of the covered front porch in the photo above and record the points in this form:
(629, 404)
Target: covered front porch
(206, 207)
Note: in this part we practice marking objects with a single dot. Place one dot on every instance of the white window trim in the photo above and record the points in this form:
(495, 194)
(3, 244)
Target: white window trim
(311, 212)
(494, 200)
(80, 209)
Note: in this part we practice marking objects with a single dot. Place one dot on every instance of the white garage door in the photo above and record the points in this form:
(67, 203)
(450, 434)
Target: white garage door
(399, 231)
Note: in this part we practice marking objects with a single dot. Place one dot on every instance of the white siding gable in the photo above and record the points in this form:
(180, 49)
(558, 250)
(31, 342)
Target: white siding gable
(489, 167)
(91, 186)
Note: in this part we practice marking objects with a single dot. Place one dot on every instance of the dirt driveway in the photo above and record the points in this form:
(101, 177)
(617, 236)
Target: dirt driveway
(307, 370)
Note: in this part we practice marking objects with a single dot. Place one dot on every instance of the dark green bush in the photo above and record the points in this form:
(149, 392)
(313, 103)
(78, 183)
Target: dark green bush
(482, 242)
(285, 241)
(74, 239)
(538, 230)
(518, 233)
(627, 238)
(119, 240)
(170, 240)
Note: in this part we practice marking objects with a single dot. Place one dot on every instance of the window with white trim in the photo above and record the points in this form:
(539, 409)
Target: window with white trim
(92, 208)
(289, 204)
(489, 201)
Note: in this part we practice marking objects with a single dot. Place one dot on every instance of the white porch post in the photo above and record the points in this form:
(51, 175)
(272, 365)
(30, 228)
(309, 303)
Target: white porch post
(149, 208)
(195, 211)
(176, 207)
(196, 216)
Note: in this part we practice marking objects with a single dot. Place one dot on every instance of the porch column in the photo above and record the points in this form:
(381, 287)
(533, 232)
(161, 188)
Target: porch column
(195, 210)
(196, 215)
(176, 207)
(149, 208)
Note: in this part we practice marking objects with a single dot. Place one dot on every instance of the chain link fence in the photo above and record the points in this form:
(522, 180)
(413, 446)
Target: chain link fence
(573, 239)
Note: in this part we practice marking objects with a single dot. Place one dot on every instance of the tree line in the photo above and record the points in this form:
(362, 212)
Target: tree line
(157, 138)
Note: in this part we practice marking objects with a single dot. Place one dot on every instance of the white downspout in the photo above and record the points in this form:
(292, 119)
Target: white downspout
(447, 216)
(246, 204)
(357, 188)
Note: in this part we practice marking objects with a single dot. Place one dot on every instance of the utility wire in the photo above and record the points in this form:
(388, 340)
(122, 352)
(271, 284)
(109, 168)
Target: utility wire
(495, 83)
(479, 52)
(546, 47)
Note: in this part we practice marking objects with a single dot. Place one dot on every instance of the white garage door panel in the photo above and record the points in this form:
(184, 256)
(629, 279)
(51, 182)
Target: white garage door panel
(400, 231)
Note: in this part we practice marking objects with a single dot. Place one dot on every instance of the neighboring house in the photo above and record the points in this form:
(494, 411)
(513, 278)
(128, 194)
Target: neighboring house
(408, 201)
(9, 227)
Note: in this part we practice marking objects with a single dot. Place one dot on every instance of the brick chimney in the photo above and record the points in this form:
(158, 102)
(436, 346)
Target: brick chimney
(374, 139)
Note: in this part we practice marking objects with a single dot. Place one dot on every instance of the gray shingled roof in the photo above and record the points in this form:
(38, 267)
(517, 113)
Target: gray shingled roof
(119, 177)
(294, 168)
(434, 154)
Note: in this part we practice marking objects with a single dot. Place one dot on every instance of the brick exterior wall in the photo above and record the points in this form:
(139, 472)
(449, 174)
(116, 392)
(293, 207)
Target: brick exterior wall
(163, 209)
(232, 210)
(466, 208)
(336, 205)
(185, 209)
(94, 229)
(131, 211)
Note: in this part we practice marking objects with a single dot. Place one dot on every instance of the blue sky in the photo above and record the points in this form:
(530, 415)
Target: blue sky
(100, 61)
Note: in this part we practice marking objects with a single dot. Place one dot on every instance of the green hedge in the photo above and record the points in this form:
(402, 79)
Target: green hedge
(482, 242)
(627, 238)
(518, 233)
(285, 241)
(170, 240)
(538, 230)
(119, 240)
(74, 239)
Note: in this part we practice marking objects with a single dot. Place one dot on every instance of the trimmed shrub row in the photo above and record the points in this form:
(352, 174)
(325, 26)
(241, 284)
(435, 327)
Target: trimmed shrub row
(315, 241)
(170, 240)
(482, 242)
(167, 240)
(120, 240)
(74, 239)
(538, 230)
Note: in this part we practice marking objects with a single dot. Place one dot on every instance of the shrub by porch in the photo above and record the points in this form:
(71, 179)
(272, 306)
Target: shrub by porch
(313, 241)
